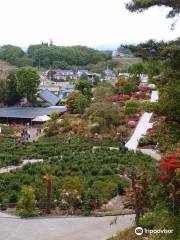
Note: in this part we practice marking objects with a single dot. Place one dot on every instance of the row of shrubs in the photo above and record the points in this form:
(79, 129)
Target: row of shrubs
(99, 170)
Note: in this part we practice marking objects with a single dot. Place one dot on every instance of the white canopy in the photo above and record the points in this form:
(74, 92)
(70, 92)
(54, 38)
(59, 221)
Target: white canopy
(43, 118)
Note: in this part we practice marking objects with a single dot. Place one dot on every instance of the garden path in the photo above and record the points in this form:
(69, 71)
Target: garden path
(62, 228)
(11, 168)
(142, 126)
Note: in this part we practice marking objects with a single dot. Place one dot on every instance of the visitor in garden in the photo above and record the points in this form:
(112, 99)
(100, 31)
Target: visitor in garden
(69, 138)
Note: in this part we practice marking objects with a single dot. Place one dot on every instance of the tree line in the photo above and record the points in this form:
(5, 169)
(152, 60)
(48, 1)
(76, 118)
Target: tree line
(45, 55)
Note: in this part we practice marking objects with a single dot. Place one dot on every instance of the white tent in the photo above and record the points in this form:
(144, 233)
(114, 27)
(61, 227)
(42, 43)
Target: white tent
(43, 118)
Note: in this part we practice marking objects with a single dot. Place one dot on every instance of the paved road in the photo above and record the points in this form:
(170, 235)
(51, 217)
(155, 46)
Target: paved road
(142, 126)
(151, 153)
(77, 228)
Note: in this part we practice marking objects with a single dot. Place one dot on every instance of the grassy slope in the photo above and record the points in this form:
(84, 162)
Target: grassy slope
(125, 62)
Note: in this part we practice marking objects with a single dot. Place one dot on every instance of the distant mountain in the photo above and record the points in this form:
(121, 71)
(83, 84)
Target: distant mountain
(107, 46)
(24, 49)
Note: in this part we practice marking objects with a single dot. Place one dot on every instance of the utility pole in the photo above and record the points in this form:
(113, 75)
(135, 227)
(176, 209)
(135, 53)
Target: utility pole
(49, 179)
(39, 63)
(133, 181)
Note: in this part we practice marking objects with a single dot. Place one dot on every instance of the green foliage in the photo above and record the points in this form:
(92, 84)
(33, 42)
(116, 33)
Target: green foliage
(153, 68)
(170, 100)
(132, 107)
(103, 92)
(44, 55)
(71, 183)
(11, 95)
(126, 87)
(77, 102)
(96, 128)
(149, 50)
(141, 5)
(101, 66)
(56, 55)
(84, 86)
(27, 80)
(8, 93)
(51, 127)
(136, 70)
(26, 202)
(6, 130)
(160, 218)
(103, 113)
(11, 53)
(93, 176)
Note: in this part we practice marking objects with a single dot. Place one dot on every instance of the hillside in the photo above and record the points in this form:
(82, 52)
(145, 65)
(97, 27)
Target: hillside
(126, 61)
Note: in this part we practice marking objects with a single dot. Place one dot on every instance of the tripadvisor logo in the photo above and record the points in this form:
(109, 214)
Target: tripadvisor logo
(139, 231)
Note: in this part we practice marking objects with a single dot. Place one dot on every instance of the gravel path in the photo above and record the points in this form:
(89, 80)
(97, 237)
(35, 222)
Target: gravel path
(62, 228)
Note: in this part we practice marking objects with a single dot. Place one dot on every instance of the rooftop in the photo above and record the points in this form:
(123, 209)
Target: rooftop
(28, 112)
(49, 97)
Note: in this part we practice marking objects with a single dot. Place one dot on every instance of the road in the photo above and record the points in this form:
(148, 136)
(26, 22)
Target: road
(142, 126)
(62, 228)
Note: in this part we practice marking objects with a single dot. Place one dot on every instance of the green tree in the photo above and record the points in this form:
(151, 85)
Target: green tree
(141, 5)
(170, 100)
(104, 114)
(136, 70)
(84, 77)
(11, 95)
(28, 81)
(2, 91)
(77, 102)
(26, 203)
(85, 87)
(103, 92)
(11, 53)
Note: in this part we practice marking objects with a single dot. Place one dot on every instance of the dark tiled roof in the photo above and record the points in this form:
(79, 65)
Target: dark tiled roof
(28, 112)
(49, 97)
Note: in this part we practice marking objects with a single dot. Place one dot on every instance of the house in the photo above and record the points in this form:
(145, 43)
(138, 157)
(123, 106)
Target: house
(117, 54)
(90, 76)
(109, 75)
(48, 97)
(24, 114)
(63, 74)
(82, 72)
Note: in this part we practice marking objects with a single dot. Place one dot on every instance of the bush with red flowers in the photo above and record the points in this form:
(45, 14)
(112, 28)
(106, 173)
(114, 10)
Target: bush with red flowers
(143, 87)
(171, 162)
(149, 131)
(170, 177)
(119, 98)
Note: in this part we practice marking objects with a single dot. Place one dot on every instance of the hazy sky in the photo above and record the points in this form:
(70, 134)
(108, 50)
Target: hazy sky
(86, 22)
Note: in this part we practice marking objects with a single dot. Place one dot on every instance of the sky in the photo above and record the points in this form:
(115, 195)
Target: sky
(93, 23)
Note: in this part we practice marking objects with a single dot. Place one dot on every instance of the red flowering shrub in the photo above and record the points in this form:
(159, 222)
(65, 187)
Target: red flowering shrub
(170, 165)
(143, 87)
(132, 124)
(115, 98)
(118, 98)
(136, 95)
(164, 178)
(149, 131)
